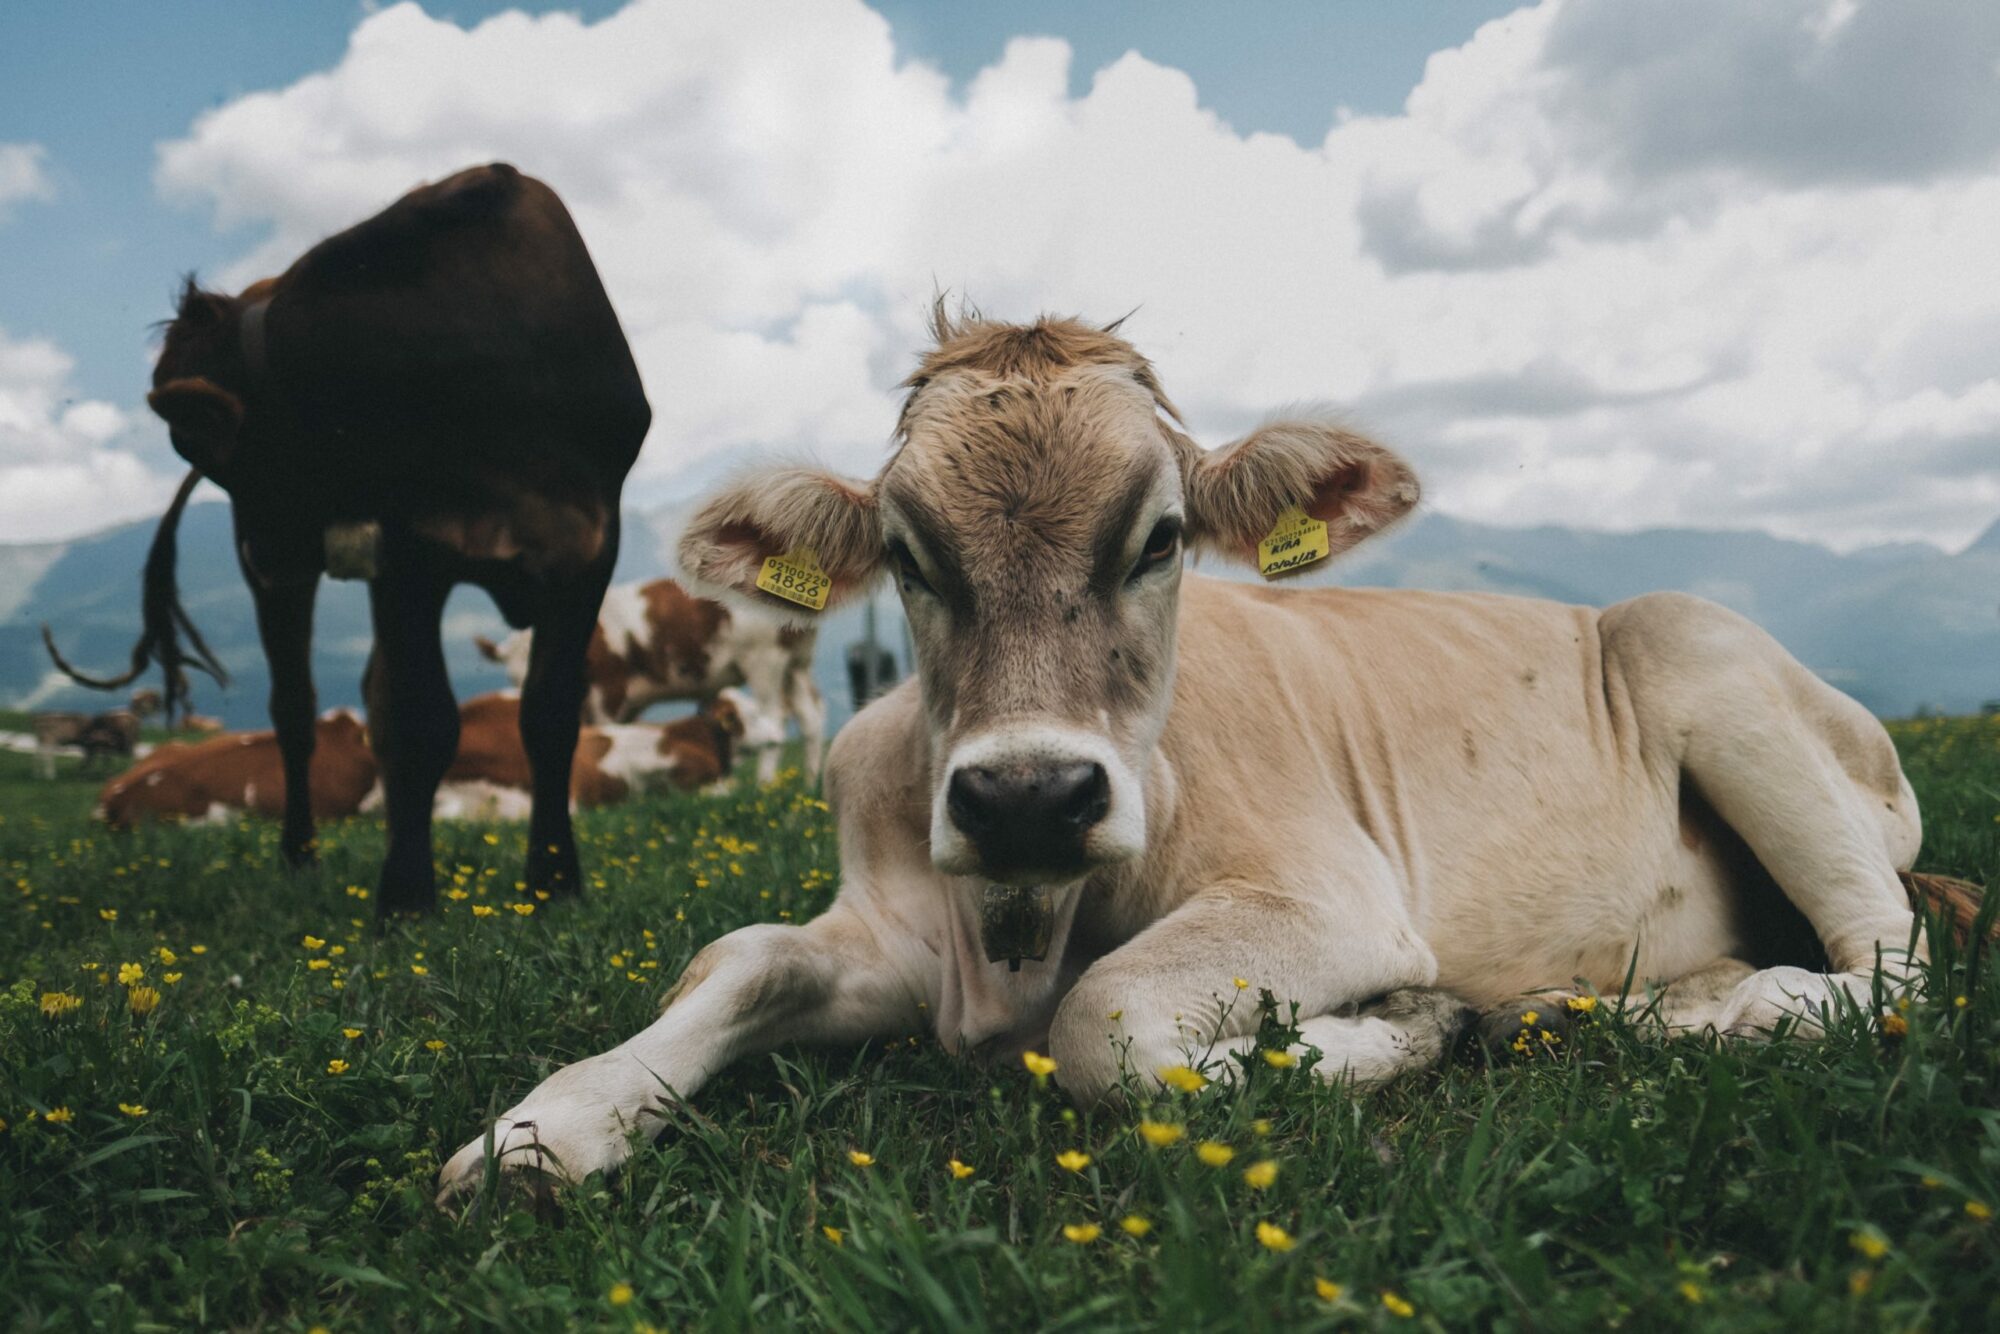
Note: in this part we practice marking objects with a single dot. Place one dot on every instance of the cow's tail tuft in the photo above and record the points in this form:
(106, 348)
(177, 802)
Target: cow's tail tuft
(163, 621)
(1957, 902)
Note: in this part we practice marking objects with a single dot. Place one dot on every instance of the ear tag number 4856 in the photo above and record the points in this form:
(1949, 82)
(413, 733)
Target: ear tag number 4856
(797, 577)
(1295, 541)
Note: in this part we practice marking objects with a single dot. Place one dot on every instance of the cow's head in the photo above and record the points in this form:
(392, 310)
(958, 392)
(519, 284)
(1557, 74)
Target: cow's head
(1034, 516)
(199, 380)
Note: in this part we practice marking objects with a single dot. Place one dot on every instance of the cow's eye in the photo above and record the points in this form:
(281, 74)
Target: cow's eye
(906, 567)
(1162, 545)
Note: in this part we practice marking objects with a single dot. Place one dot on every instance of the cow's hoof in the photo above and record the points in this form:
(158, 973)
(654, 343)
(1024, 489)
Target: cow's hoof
(532, 1159)
(1540, 1025)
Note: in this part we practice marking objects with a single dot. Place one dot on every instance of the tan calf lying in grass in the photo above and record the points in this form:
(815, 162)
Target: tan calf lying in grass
(1115, 787)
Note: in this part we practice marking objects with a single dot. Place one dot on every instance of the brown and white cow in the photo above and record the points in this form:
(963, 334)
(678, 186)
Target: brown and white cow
(655, 641)
(225, 776)
(491, 780)
(438, 395)
(1114, 786)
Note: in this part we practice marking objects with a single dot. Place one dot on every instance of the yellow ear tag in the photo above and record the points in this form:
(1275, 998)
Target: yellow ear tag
(797, 577)
(1295, 541)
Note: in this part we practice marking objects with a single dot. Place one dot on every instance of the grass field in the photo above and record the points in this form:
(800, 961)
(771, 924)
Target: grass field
(238, 1121)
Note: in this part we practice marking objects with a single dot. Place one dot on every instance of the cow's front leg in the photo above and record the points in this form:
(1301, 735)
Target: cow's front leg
(412, 725)
(284, 622)
(1360, 976)
(806, 704)
(754, 989)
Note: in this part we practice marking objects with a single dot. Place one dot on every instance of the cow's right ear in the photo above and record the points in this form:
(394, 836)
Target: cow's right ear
(784, 513)
(202, 417)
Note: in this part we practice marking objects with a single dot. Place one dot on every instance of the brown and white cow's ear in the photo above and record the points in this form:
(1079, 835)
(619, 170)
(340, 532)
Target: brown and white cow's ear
(1235, 494)
(203, 418)
(784, 513)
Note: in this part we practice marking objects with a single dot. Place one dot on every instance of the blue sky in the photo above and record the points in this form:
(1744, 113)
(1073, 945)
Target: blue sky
(1612, 263)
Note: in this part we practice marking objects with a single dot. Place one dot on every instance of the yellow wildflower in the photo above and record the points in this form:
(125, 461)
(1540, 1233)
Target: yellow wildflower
(1280, 1060)
(171, 979)
(197, 949)
(350, 1033)
(1134, 1225)
(1215, 1155)
(1240, 984)
(1274, 1238)
(1978, 1210)
(860, 1159)
(59, 1116)
(132, 1108)
(1581, 1004)
(167, 956)
(108, 914)
(1531, 1018)
(484, 910)
(1182, 1078)
(1261, 1174)
(960, 1171)
(834, 1234)
(128, 973)
(1261, 1127)
(319, 965)
(1894, 1025)
(1160, 1134)
(1690, 1292)
(523, 909)
(1960, 1002)
(620, 1294)
(56, 1004)
(420, 970)
(1328, 1290)
(1073, 1160)
(1397, 1307)
(1859, 1282)
(143, 1000)
(1040, 1066)
(435, 1044)
(1082, 1233)
(1869, 1243)
(336, 1067)
(313, 942)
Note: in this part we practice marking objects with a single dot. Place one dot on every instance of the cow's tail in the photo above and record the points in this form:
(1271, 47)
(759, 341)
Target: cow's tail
(163, 621)
(1956, 902)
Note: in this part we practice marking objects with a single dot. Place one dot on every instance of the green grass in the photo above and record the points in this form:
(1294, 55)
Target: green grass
(1796, 1186)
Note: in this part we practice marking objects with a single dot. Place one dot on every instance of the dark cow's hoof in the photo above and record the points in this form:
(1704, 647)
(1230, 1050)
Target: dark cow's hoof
(1538, 1025)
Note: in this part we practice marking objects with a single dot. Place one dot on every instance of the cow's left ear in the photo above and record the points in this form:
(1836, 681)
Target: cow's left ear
(1235, 494)
(794, 514)
(203, 418)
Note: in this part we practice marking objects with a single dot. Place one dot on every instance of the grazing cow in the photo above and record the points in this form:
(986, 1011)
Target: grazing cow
(227, 775)
(100, 736)
(439, 395)
(490, 779)
(656, 642)
(1114, 787)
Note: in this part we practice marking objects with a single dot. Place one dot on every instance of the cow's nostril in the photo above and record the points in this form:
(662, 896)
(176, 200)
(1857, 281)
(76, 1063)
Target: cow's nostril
(1083, 794)
(974, 799)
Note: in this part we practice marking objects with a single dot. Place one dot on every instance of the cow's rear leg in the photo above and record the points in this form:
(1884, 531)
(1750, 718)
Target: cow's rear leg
(551, 716)
(284, 622)
(1805, 776)
(412, 724)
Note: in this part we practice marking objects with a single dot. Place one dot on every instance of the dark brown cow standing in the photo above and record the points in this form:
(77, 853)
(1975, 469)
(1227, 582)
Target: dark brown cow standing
(451, 371)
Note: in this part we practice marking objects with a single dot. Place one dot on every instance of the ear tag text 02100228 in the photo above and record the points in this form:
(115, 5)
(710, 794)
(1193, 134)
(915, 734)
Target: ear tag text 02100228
(1296, 540)
(796, 577)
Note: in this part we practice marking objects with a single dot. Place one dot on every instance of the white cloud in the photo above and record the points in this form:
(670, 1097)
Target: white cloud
(66, 466)
(23, 176)
(1616, 264)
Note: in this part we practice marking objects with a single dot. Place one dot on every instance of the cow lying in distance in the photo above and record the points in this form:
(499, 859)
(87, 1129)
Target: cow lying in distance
(1114, 786)
(245, 773)
(490, 779)
(441, 394)
(655, 641)
(99, 736)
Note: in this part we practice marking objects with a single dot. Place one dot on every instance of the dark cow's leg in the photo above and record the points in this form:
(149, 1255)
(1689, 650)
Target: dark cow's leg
(551, 712)
(284, 622)
(413, 726)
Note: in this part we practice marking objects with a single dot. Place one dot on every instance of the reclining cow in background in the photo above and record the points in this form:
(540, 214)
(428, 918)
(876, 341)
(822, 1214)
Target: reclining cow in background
(656, 642)
(96, 736)
(226, 776)
(1115, 787)
(439, 395)
(491, 778)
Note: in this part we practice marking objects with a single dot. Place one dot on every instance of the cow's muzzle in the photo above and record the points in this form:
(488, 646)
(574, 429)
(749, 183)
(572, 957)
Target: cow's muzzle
(1028, 816)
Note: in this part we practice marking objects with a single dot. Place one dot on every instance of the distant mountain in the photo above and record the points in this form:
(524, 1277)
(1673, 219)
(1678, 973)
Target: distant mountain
(1900, 627)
